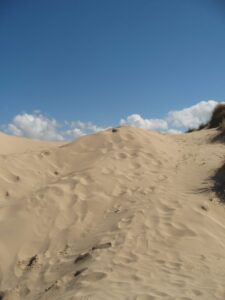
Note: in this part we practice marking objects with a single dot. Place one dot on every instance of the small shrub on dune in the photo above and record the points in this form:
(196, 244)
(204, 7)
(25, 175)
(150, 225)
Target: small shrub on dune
(218, 120)
(202, 126)
(190, 130)
(220, 136)
(222, 126)
(219, 183)
(218, 116)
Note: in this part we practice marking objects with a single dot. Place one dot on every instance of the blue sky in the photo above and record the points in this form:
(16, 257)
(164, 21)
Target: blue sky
(102, 61)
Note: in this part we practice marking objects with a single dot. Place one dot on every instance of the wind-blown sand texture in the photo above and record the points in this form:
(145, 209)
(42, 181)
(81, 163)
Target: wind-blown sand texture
(116, 215)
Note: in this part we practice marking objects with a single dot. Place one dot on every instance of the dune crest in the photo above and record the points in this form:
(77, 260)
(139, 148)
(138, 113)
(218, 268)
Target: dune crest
(123, 214)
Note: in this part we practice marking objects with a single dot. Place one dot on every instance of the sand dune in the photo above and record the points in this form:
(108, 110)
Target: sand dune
(115, 215)
(12, 144)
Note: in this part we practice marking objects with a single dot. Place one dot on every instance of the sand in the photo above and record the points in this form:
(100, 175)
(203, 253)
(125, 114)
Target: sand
(124, 215)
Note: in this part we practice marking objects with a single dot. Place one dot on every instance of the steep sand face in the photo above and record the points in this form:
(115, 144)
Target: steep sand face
(123, 215)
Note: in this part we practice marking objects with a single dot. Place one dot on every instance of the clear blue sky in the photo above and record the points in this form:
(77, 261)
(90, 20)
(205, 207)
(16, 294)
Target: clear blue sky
(101, 60)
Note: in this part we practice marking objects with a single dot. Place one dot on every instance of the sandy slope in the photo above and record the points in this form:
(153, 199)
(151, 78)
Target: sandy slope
(124, 215)
(12, 144)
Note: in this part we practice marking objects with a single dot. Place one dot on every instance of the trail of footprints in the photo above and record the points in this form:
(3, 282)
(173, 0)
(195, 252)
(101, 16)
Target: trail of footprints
(80, 262)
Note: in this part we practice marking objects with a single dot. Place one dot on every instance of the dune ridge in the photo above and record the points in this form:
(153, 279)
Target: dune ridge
(128, 214)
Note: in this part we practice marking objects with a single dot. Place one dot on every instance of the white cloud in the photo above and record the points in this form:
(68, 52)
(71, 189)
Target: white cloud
(38, 126)
(175, 121)
(34, 126)
(78, 129)
(193, 116)
(173, 131)
(149, 124)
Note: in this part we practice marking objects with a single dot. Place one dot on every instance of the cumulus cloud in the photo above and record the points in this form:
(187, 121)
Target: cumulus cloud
(175, 121)
(173, 131)
(149, 124)
(34, 126)
(78, 129)
(38, 126)
(193, 116)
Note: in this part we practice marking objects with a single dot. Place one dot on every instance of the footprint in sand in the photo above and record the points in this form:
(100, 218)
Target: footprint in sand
(95, 276)
(51, 286)
(27, 265)
(2, 295)
(145, 297)
(46, 153)
(203, 207)
(83, 257)
(102, 246)
(120, 155)
(79, 272)
(17, 178)
(33, 260)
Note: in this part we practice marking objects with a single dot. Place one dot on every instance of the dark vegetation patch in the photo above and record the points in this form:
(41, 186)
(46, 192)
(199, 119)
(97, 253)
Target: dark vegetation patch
(217, 187)
(219, 183)
(200, 127)
(190, 130)
(219, 137)
(218, 116)
(114, 130)
(217, 120)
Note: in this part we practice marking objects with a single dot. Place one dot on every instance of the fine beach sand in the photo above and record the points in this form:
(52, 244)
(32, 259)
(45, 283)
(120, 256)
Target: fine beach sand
(115, 215)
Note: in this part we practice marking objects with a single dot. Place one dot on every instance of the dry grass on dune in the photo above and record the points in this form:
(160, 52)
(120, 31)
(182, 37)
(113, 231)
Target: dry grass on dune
(219, 183)
(200, 127)
(218, 116)
(216, 121)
